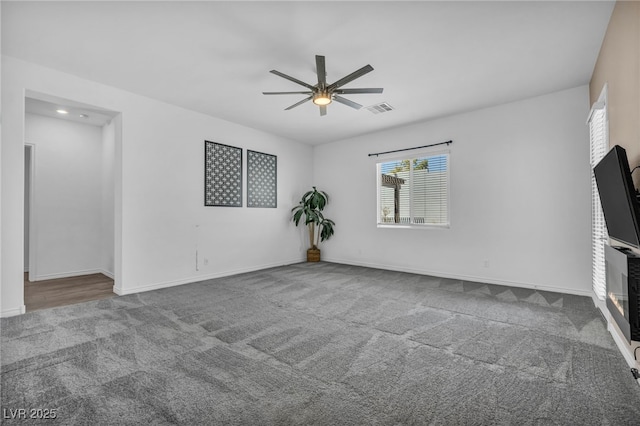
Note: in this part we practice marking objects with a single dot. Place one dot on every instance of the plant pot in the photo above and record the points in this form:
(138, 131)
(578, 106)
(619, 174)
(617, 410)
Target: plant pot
(313, 255)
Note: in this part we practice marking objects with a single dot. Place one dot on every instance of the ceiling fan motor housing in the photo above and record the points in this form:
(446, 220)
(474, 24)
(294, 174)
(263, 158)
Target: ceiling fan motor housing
(322, 97)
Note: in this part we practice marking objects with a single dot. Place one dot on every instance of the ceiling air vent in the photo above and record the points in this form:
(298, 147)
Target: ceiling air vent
(380, 108)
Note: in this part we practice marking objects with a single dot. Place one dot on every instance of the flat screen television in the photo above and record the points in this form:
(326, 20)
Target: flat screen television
(618, 198)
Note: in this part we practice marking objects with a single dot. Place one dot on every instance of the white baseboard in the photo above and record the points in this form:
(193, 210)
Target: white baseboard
(70, 274)
(197, 278)
(13, 312)
(622, 343)
(618, 337)
(108, 274)
(441, 274)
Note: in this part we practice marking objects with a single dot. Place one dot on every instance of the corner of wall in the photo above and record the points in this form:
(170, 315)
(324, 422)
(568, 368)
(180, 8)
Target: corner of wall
(13, 312)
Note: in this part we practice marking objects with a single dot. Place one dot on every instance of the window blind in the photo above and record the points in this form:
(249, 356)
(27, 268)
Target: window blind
(599, 135)
(423, 196)
(429, 200)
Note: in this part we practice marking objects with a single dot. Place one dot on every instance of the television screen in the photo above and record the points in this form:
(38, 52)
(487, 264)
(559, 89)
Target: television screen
(617, 196)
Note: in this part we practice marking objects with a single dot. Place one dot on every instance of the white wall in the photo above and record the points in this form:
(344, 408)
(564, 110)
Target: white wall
(520, 193)
(159, 182)
(520, 197)
(67, 197)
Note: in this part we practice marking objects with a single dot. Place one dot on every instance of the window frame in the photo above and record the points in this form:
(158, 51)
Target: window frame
(599, 235)
(414, 155)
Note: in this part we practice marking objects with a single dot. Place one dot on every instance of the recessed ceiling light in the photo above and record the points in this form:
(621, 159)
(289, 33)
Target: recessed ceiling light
(84, 116)
(62, 111)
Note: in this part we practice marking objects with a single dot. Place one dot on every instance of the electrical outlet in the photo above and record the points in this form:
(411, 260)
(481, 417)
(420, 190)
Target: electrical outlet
(486, 263)
(205, 261)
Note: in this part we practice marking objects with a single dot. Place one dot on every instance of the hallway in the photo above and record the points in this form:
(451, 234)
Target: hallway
(66, 291)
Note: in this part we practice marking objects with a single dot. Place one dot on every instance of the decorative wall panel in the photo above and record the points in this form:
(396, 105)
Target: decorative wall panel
(222, 175)
(262, 182)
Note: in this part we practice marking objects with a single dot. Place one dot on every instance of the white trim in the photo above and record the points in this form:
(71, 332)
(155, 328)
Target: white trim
(33, 228)
(600, 304)
(621, 342)
(377, 207)
(623, 345)
(440, 274)
(13, 312)
(411, 225)
(71, 274)
(599, 105)
(194, 279)
(107, 273)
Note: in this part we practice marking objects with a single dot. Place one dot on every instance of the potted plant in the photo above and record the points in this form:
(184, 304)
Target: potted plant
(320, 228)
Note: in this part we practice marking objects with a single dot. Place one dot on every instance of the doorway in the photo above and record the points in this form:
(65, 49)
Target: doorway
(69, 235)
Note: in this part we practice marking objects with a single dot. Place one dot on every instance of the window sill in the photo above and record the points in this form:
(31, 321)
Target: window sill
(411, 226)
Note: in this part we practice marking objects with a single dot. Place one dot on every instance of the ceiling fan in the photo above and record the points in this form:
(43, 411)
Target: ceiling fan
(322, 94)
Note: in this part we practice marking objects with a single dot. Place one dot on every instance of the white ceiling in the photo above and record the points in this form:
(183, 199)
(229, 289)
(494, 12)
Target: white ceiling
(432, 58)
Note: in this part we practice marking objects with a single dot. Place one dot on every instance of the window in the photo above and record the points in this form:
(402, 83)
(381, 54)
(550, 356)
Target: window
(599, 143)
(414, 191)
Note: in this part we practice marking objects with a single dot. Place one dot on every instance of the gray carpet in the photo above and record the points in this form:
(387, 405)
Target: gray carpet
(322, 344)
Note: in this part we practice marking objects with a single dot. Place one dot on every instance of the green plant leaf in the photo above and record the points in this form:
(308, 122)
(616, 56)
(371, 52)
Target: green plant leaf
(327, 229)
(311, 205)
(297, 215)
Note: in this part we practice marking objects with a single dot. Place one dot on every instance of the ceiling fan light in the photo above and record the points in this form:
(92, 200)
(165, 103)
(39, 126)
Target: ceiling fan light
(321, 99)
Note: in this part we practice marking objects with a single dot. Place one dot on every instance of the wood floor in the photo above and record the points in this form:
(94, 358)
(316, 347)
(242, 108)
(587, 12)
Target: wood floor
(66, 291)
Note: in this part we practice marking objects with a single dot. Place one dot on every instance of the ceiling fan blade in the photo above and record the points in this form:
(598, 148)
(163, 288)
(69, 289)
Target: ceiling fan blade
(354, 91)
(323, 110)
(344, 80)
(299, 103)
(295, 80)
(322, 71)
(346, 102)
(287, 93)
